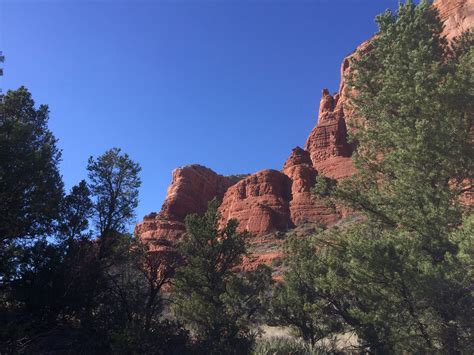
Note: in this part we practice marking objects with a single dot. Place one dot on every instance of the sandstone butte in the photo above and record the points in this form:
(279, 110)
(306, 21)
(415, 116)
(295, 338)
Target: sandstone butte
(270, 200)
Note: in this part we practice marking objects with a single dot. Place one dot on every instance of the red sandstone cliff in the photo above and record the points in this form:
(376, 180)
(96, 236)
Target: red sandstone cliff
(272, 200)
(192, 187)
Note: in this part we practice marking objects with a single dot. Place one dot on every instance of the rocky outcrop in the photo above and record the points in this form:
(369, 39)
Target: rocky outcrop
(157, 226)
(329, 138)
(192, 187)
(190, 190)
(304, 207)
(327, 143)
(259, 202)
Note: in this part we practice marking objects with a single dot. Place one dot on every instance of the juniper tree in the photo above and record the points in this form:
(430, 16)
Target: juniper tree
(76, 210)
(296, 303)
(31, 188)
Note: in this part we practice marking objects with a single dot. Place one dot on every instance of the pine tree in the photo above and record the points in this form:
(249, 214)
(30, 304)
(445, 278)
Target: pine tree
(413, 104)
(399, 278)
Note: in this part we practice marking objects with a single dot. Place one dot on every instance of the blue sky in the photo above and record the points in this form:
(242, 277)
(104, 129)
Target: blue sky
(232, 85)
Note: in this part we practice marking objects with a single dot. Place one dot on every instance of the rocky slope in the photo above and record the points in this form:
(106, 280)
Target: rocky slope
(272, 200)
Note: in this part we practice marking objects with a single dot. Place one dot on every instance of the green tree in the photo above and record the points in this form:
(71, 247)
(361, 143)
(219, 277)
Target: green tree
(78, 293)
(413, 114)
(296, 303)
(62, 286)
(211, 297)
(76, 211)
(31, 188)
(114, 184)
(414, 109)
(133, 305)
(399, 277)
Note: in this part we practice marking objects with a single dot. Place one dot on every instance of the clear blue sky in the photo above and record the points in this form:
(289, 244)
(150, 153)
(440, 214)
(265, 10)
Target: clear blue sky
(232, 85)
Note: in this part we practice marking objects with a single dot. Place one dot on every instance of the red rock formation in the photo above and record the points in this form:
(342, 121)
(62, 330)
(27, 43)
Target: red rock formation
(260, 202)
(158, 226)
(327, 142)
(298, 157)
(304, 207)
(192, 187)
(328, 138)
(270, 200)
(457, 15)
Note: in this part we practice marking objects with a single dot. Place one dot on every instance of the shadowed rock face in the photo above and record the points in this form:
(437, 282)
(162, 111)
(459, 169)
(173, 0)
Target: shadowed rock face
(272, 200)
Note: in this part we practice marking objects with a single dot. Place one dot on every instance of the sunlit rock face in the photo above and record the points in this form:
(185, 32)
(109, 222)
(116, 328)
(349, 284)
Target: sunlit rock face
(304, 207)
(260, 202)
(191, 188)
(457, 15)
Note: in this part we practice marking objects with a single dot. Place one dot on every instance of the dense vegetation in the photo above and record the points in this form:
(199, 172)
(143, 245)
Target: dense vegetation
(73, 280)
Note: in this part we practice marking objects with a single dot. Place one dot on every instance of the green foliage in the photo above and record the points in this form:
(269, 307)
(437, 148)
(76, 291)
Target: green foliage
(77, 209)
(90, 303)
(63, 288)
(399, 278)
(415, 154)
(216, 303)
(296, 303)
(324, 186)
(30, 184)
(31, 188)
(114, 184)
(413, 141)
(130, 307)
